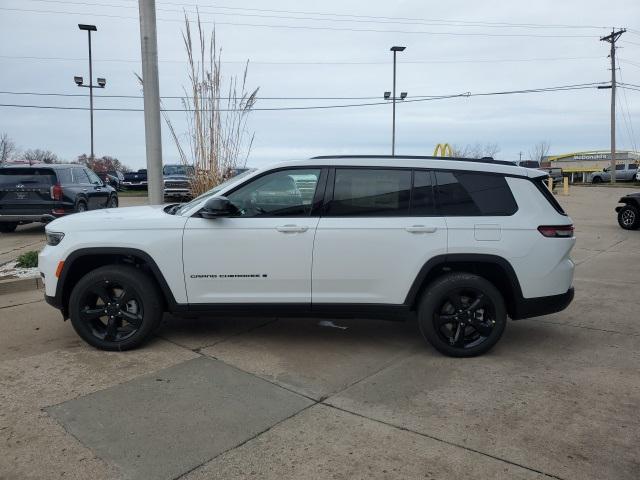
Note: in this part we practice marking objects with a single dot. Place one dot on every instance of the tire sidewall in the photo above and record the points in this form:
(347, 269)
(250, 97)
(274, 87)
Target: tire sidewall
(145, 290)
(432, 299)
(113, 202)
(83, 203)
(636, 222)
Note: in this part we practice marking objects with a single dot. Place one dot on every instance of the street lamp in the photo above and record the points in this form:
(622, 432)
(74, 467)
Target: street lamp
(80, 81)
(403, 95)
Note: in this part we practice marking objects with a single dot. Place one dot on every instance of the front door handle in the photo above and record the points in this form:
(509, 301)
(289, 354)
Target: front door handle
(420, 229)
(292, 229)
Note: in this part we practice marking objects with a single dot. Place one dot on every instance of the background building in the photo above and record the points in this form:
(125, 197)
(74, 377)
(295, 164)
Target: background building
(580, 164)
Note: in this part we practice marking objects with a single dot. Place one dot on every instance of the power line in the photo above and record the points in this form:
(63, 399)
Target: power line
(308, 27)
(306, 63)
(324, 107)
(333, 14)
(180, 97)
(202, 9)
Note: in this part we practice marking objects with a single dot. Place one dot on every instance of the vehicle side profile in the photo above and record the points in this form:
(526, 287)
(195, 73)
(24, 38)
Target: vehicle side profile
(458, 244)
(44, 192)
(625, 172)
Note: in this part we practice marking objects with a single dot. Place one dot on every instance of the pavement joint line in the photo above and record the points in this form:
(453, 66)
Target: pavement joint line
(622, 283)
(447, 442)
(586, 327)
(602, 251)
(21, 304)
(19, 248)
(247, 440)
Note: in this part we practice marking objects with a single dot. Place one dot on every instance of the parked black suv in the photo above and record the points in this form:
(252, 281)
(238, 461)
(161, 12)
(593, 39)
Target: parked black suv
(41, 193)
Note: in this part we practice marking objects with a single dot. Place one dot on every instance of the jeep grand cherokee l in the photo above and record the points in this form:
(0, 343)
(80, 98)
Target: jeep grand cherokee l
(41, 193)
(460, 244)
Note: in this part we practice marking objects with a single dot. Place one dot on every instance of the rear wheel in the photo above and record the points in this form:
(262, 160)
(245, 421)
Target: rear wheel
(462, 315)
(629, 217)
(8, 227)
(115, 307)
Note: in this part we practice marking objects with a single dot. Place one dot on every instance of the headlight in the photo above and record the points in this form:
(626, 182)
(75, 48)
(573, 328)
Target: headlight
(54, 238)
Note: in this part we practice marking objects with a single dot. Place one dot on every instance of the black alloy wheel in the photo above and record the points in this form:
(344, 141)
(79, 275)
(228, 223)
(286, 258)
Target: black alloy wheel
(116, 307)
(629, 217)
(462, 315)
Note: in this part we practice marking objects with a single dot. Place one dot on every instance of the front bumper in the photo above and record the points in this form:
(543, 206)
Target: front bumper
(535, 307)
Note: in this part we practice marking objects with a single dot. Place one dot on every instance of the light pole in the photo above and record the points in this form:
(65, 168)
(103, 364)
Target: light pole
(387, 96)
(79, 80)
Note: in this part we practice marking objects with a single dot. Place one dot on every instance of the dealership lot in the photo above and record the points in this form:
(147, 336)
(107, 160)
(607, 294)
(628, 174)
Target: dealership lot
(287, 398)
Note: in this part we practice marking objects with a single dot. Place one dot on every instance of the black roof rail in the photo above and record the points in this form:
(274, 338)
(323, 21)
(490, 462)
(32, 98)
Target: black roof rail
(418, 157)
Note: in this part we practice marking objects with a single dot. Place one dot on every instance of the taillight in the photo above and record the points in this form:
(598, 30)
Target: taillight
(56, 192)
(556, 231)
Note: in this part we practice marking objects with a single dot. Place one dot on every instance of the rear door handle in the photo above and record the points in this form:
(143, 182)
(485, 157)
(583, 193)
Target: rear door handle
(420, 229)
(292, 229)
(85, 189)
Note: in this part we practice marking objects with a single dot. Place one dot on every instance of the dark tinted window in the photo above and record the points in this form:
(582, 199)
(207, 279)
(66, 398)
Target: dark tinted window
(473, 193)
(620, 166)
(28, 177)
(422, 195)
(64, 176)
(633, 166)
(79, 176)
(375, 192)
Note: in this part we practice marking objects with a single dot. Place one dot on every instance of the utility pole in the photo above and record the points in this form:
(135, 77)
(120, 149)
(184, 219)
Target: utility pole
(520, 159)
(151, 92)
(612, 38)
(403, 95)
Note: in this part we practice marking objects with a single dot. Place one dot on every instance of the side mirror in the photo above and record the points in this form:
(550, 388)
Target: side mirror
(218, 207)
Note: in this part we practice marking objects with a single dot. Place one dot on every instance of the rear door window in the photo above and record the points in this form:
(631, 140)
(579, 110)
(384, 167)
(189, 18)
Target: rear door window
(26, 177)
(473, 194)
(79, 176)
(370, 192)
(422, 201)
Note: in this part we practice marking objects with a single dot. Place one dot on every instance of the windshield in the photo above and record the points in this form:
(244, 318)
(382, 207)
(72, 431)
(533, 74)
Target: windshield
(178, 170)
(183, 208)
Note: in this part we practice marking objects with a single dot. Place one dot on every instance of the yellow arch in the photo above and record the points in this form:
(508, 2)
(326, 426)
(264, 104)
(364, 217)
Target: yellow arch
(443, 150)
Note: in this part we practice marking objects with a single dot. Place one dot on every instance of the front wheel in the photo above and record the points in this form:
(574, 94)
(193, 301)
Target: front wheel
(116, 307)
(462, 315)
(629, 217)
(596, 180)
(113, 202)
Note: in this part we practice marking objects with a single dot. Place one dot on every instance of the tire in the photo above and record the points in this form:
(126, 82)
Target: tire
(113, 202)
(81, 206)
(629, 217)
(128, 322)
(8, 227)
(462, 331)
(596, 180)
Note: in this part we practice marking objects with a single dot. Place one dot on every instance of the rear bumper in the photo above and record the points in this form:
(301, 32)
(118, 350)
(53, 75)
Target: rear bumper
(43, 218)
(535, 307)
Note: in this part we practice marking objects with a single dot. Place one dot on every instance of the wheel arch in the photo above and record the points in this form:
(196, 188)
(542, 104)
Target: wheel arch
(494, 268)
(82, 261)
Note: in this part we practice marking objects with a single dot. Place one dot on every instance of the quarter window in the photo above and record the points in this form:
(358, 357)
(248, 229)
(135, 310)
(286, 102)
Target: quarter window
(473, 194)
(286, 193)
(370, 192)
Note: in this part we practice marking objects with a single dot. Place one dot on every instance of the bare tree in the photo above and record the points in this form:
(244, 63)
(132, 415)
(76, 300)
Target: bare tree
(476, 150)
(39, 156)
(217, 140)
(539, 150)
(7, 148)
(102, 164)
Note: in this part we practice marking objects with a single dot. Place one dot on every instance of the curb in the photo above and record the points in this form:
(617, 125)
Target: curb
(20, 285)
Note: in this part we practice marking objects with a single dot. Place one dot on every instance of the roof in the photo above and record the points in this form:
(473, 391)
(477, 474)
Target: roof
(41, 165)
(407, 161)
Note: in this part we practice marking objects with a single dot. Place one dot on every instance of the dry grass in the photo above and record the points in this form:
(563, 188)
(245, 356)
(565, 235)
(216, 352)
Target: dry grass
(216, 141)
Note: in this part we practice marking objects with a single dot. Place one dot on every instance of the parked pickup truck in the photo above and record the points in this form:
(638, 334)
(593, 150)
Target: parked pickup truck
(624, 172)
(177, 182)
(135, 180)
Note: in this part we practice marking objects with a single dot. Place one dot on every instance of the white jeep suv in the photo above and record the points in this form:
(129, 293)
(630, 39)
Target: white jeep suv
(460, 244)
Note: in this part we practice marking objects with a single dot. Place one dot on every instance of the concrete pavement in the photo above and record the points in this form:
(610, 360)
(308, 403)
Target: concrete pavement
(287, 398)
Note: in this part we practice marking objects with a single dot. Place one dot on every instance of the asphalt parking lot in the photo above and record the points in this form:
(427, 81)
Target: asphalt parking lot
(225, 398)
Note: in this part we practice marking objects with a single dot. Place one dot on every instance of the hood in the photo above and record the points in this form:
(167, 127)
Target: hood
(127, 218)
(176, 177)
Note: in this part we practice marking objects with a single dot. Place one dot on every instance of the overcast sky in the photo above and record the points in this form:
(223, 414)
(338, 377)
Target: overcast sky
(443, 58)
